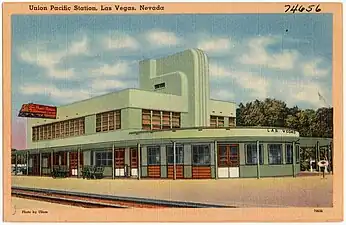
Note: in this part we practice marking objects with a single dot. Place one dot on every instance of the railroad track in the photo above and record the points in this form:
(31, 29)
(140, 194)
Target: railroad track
(89, 200)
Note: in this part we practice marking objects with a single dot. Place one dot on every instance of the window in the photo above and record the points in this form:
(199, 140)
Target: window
(57, 130)
(289, 154)
(221, 122)
(159, 86)
(34, 133)
(105, 122)
(231, 122)
(71, 126)
(62, 129)
(175, 120)
(41, 132)
(157, 120)
(49, 131)
(53, 130)
(154, 155)
(81, 127)
(179, 157)
(111, 121)
(251, 154)
(108, 121)
(146, 119)
(118, 119)
(103, 158)
(297, 154)
(98, 122)
(201, 155)
(68, 128)
(213, 121)
(45, 129)
(166, 120)
(275, 153)
(217, 121)
(76, 127)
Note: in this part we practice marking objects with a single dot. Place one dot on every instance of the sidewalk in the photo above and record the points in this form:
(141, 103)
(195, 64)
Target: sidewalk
(304, 191)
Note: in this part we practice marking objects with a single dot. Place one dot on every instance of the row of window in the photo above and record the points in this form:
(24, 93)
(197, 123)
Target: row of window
(201, 155)
(157, 120)
(219, 121)
(67, 128)
(274, 154)
(105, 158)
(108, 121)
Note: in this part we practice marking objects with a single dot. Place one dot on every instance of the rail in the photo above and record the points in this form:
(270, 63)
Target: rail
(100, 200)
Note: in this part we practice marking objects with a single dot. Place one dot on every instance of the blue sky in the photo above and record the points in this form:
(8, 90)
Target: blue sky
(58, 59)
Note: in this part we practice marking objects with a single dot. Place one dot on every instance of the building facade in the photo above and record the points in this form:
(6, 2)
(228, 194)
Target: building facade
(168, 128)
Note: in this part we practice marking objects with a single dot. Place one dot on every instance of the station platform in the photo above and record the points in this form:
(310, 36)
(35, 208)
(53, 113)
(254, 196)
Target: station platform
(302, 191)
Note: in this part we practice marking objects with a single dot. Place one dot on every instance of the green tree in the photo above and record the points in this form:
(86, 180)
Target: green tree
(275, 113)
(323, 122)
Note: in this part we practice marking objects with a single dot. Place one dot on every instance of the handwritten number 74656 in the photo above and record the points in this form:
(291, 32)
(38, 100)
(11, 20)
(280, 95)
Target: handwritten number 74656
(301, 8)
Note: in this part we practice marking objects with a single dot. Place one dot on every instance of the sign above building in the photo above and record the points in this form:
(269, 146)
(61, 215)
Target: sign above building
(277, 130)
(38, 111)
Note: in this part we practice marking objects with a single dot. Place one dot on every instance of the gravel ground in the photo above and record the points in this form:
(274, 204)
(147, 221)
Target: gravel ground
(309, 191)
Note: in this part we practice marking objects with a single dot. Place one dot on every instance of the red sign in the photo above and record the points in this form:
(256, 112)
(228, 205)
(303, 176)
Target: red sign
(38, 111)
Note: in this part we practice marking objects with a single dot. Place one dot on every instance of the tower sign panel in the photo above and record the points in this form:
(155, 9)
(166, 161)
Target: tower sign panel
(37, 111)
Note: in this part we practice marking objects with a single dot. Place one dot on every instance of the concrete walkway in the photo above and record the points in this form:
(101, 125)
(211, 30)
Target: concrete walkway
(311, 191)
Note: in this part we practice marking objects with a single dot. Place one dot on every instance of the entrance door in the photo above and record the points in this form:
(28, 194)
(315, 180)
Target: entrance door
(35, 162)
(228, 160)
(134, 161)
(119, 162)
(73, 158)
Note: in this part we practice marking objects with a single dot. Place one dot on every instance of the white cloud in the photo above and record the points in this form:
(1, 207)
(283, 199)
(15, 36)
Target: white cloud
(61, 73)
(79, 47)
(162, 38)
(48, 60)
(121, 41)
(54, 93)
(41, 57)
(302, 91)
(119, 68)
(216, 45)
(258, 85)
(104, 85)
(224, 95)
(257, 54)
(218, 71)
(311, 69)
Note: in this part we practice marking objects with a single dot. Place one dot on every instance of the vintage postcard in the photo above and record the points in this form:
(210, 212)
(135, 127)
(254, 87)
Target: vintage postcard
(162, 112)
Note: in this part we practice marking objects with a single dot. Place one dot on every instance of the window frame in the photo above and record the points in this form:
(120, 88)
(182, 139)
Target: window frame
(151, 156)
(297, 149)
(106, 156)
(160, 120)
(108, 121)
(179, 154)
(286, 154)
(269, 156)
(261, 153)
(206, 147)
